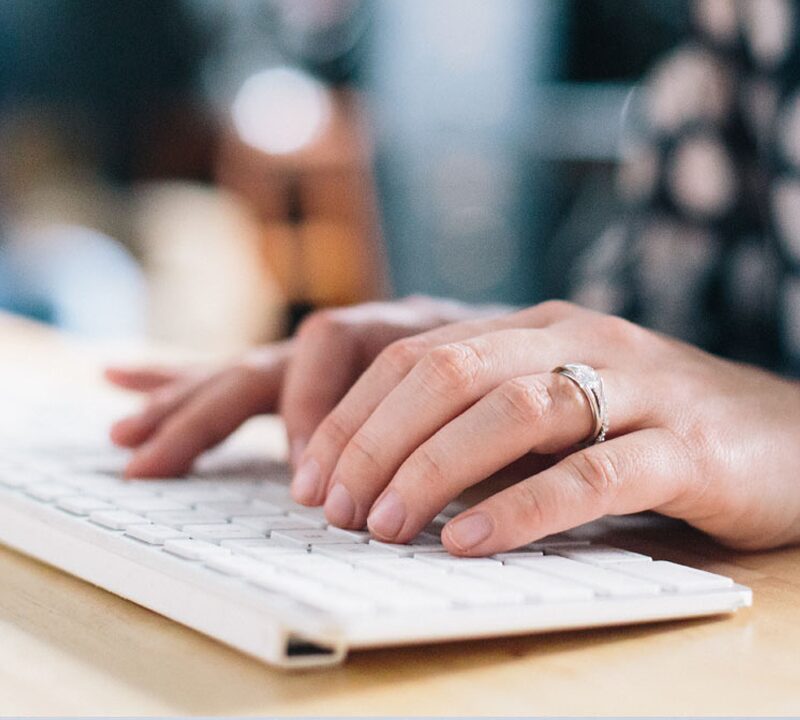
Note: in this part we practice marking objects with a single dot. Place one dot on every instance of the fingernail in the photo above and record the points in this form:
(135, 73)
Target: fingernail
(339, 507)
(388, 516)
(306, 482)
(298, 447)
(469, 531)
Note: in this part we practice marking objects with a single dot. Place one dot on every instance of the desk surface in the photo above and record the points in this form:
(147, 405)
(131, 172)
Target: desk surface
(69, 648)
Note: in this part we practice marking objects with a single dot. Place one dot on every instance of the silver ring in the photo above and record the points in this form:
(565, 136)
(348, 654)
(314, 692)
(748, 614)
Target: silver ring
(591, 385)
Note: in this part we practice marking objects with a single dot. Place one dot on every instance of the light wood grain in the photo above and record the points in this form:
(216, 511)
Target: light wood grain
(69, 648)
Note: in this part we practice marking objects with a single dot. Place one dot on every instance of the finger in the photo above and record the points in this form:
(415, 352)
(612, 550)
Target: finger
(448, 380)
(392, 365)
(142, 379)
(325, 363)
(205, 420)
(545, 414)
(632, 473)
(136, 429)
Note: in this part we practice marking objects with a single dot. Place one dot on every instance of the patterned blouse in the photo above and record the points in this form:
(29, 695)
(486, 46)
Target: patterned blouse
(710, 248)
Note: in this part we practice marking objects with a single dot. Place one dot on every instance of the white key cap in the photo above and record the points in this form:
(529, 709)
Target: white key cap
(356, 536)
(601, 580)
(535, 585)
(423, 543)
(241, 509)
(676, 578)
(407, 566)
(315, 594)
(83, 505)
(179, 518)
(216, 533)
(148, 504)
(315, 514)
(307, 538)
(469, 591)
(193, 494)
(311, 565)
(260, 549)
(517, 555)
(356, 553)
(454, 564)
(274, 522)
(597, 554)
(20, 479)
(154, 534)
(194, 549)
(389, 594)
(238, 566)
(118, 519)
(48, 492)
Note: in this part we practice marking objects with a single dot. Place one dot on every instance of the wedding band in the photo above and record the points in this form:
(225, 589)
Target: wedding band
(591, 385)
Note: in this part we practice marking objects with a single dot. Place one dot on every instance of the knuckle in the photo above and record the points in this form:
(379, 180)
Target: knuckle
(453, 367)
(598, 471)
(525, 402)
(402, 355)
(428, 467)
(556, 308)
(334, 430)
(617, 330)
(529, 504)
(321, 322)
(362, 450)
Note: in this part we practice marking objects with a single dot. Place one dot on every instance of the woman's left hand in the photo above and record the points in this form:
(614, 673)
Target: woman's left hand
(691, 436)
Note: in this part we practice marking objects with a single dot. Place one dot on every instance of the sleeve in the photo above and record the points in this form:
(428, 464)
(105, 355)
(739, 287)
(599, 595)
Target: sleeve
(693, 255)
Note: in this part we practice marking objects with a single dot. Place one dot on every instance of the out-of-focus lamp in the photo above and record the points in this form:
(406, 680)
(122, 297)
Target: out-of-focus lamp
(281, 110)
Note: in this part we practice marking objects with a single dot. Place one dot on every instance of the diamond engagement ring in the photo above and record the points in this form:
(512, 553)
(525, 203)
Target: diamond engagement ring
(591, 385)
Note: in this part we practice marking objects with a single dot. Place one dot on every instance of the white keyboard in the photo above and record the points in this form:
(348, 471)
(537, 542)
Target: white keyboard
(228, 553)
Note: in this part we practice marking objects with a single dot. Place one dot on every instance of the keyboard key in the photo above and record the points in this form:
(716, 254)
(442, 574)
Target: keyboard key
(356, 536)
(676, 578)
(389, 594)
(356, 553)
(316, 594)
(535, 585)
(468, 591)
(274, 522)
(313, 565)
(261, 548)
(449, 562)
(517, 555)
(557, 540)
(179, 518)
(308, 538)
(216, 533)
(193, 494)
(601, 580)
(406, 569)
(237, 566)
(118, 519)
(147, 504)
(48, 492)
(241, 509)
(313, 514)
(82, 505)
(154, 534)
(412, 548)
(194, 549)
(597, 554)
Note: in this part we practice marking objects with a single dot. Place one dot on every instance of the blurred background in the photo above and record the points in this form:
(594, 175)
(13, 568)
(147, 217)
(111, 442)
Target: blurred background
(204, 172)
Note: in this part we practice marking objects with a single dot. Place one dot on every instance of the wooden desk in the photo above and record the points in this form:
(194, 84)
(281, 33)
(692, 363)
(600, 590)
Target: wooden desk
(68, 648)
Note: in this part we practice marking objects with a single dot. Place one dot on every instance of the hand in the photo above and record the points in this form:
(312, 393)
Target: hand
(692, 436)
(191, 410)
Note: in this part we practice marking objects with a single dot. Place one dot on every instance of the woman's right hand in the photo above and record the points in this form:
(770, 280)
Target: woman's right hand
(191, 410)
